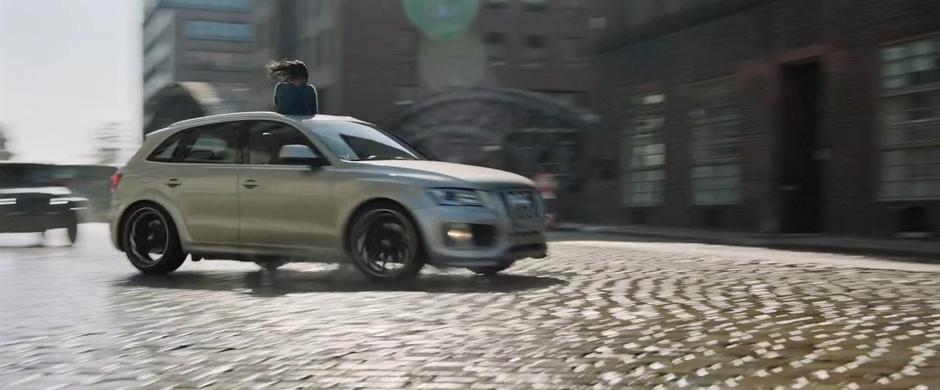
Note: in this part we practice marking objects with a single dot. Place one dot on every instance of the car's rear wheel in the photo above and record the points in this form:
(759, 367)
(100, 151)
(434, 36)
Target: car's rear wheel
(384, 244)
(151, 241)
(71, 228)
(490, 270)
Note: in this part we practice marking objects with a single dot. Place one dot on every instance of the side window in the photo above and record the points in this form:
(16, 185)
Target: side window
(265, 140)
(213, 144)
(166, 150)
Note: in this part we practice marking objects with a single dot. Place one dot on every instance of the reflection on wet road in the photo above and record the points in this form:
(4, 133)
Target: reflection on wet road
(594, 314)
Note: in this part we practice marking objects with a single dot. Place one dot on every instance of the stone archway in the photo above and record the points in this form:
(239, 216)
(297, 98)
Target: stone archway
(508, 129)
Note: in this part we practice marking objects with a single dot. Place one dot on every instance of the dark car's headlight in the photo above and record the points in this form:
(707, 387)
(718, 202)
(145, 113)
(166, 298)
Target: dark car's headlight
(7, 201)
(456, 197)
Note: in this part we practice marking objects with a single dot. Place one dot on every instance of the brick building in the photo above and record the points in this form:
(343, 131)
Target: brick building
(374, 58)
(772, 115)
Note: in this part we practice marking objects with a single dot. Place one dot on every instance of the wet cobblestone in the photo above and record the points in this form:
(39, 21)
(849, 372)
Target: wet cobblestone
(592, 315)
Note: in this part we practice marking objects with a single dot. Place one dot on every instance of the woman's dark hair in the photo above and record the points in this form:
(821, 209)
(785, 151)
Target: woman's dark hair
(286, 70)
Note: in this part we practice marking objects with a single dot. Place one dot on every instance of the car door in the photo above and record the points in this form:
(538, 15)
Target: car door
(202, 183)
(286, 208)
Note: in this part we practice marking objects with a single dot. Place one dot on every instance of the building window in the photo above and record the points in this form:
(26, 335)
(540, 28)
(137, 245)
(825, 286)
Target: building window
(220, 62)
(496, 48)
(910, 120)
(644, 149)
(571, 48)
(496, 4)
(219, 31)
(535, 50)
(535, 5)
(215, 5)
(577, 4)
(714, 123)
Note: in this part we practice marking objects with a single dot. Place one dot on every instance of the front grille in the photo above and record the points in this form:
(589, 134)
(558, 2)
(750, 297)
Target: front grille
(32, 204)
(522, 205)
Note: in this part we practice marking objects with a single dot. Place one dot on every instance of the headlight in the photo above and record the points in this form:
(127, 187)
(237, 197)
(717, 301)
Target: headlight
(58, 202)
(7, 201)
(455, 197)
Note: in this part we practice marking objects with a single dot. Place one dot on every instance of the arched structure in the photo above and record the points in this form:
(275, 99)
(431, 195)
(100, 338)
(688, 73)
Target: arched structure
(182, 100)
(518, 131)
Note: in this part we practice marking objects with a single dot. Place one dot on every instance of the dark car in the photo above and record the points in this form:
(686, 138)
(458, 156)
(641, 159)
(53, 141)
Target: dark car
(33, 199)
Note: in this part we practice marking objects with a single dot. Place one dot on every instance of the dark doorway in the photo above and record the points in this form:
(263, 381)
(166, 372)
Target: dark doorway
(800, 157)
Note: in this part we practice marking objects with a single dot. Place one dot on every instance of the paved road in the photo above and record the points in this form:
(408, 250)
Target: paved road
(595, 314)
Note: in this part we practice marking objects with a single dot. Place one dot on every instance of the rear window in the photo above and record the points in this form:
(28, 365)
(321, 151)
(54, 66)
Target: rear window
(167, 149)
(216, 144)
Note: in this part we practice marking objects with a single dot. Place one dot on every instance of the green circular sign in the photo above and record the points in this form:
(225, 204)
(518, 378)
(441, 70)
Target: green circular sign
(441, 19)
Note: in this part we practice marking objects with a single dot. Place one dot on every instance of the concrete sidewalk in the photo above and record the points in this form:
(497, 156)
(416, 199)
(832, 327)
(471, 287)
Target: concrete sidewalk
(922, 250)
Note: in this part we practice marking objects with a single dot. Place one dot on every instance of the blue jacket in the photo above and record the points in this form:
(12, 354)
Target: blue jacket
(290, 99)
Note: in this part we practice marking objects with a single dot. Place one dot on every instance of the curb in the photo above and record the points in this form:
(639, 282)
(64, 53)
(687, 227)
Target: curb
(900, 250)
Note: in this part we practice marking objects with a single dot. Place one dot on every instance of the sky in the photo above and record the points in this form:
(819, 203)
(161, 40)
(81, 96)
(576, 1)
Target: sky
(67, 68)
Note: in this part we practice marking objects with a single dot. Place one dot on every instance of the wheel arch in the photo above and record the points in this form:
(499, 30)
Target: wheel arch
(356, 211)
(122, 221)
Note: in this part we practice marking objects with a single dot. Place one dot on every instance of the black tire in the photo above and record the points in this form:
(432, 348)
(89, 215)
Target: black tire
(490, 270)
(71, 228)
(149, 231)
(384, 234)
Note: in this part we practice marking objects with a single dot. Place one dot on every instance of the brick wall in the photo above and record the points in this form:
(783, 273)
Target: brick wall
(752, 44)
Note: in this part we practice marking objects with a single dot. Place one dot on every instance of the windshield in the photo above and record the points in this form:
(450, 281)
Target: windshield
(354, 141)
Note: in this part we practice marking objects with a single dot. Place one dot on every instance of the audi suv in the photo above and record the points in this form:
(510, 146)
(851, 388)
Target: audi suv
(273, 189)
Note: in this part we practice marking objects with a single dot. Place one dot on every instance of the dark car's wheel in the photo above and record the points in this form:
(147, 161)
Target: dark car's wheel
(270, 266)
(490, 270)
(71, 228)
(384, 244)
(151, 241)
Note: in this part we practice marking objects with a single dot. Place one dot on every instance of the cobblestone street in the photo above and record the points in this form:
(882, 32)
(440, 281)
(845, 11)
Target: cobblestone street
(595, 314)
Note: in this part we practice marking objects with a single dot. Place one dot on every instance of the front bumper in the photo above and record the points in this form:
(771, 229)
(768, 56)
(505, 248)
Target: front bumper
(511, 240)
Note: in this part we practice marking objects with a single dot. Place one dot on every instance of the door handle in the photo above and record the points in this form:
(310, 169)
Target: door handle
(173, 183)
(250, 183)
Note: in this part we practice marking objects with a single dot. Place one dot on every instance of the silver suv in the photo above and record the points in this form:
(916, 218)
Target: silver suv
(273, 189)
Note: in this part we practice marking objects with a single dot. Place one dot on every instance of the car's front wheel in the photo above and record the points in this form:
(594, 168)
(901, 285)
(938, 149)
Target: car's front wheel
(384, 244)
(151, 241)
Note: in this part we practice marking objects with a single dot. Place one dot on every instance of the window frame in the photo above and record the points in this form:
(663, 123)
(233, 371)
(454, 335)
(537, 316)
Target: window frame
(628, 169)
(206, 30)
(189, 139)
(536, 6)
(496, 4)
(535, 57)
(893, 149)
(245, 144)
(699, 158)
(180, 136)
(496, 42)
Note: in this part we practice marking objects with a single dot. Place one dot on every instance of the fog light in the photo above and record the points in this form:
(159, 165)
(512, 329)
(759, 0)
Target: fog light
(460, 233)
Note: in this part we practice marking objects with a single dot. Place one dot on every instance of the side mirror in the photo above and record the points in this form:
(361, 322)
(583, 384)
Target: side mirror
(300, 155)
